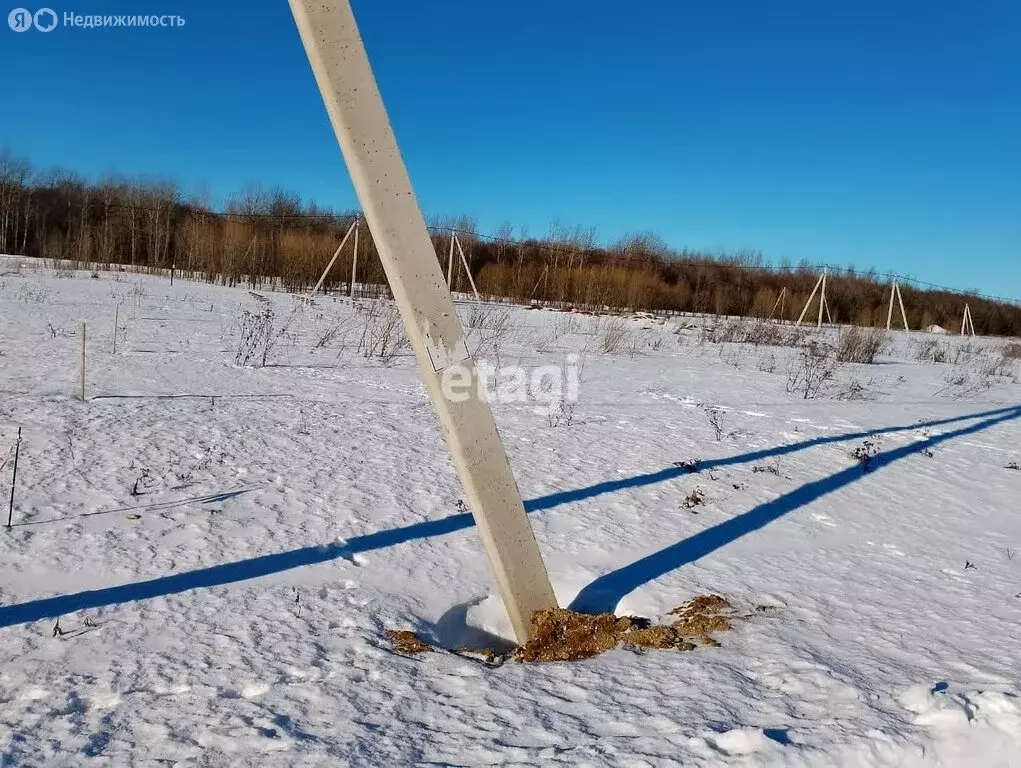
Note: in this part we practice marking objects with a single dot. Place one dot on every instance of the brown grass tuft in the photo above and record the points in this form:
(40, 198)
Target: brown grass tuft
(700, 617)
(559, 634)
(562, 635)
(406, 641)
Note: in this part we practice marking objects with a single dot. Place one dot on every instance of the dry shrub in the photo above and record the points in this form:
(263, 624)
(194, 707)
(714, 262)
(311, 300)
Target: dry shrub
(932, 351)
(488, 328)
(964, 381)
(811, 370)
(1012, 351)
(330, 329)
(615, 337)
(382, 331)
(257, 337)
(861, 345)
(759, 332)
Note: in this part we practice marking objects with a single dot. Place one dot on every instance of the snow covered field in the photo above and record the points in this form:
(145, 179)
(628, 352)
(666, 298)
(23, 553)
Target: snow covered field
(226, 545)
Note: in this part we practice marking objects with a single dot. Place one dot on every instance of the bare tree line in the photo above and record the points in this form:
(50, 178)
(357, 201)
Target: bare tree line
(276, 238)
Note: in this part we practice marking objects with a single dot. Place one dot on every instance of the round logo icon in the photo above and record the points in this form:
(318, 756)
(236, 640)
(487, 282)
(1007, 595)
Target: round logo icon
(20, 20)
(45, 20)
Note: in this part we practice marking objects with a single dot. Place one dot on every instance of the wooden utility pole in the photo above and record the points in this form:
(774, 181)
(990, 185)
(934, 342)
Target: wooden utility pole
(341, 66)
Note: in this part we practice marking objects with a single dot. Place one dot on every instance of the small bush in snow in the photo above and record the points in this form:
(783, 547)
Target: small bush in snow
(813, 367)
(615, 337)
(382, 331)
(866, 454)
(932, 351)
(257, 337)
(716, 417)
(861, 345)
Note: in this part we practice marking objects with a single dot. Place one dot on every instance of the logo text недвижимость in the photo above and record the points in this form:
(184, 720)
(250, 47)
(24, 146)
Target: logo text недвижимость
(46, 20)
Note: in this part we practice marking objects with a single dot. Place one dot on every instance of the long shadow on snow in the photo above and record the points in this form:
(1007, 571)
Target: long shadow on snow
(603, 594)
(597, 594)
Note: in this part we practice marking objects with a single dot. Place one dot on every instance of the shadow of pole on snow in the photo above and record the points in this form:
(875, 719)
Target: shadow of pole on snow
(601, 592)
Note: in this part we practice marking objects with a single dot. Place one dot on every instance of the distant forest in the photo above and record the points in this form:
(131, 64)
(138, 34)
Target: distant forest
(276, 238)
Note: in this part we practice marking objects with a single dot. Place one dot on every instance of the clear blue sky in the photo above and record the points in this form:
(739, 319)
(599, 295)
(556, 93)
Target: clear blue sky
(873, 133)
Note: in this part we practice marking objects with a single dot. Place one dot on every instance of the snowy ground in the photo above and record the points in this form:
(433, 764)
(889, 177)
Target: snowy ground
(242, 538)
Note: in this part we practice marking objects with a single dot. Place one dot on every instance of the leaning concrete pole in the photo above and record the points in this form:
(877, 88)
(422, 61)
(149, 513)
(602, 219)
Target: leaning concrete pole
(352, 98)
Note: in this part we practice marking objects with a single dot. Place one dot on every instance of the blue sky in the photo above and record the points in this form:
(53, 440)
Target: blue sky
(872, 133)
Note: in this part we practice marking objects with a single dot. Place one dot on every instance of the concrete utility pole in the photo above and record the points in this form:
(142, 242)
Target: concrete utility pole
(822, 299)
(354, 263)
(895, 292)
(336, 253)
(467, 271)
(341, 66)
(967, 324)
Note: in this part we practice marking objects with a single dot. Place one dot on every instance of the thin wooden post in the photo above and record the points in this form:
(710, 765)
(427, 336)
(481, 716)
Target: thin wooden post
(83, 362)
(354, 264)
(810, 297)
(14, 478)
(467, 271)
(116, 321)
(322, 277)
(380, 178)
